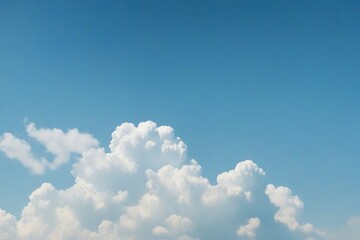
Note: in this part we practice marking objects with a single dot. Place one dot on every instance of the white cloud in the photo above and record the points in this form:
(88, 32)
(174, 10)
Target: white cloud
(120, 196)
(175, 226)
(143, 188)
(7, 226)
(288, 205)
(20, 150)
(249, 229)
(178, 223)
(56, 142)
(235, 182)
(61, 144)
(159, 230)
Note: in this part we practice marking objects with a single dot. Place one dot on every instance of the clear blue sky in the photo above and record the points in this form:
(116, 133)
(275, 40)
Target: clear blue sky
(273, 81)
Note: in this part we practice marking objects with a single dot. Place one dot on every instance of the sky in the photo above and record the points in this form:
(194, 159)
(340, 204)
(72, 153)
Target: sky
(146, 87)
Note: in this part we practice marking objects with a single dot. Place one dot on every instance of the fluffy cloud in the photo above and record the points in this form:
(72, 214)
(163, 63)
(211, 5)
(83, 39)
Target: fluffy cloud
(56, 142)
(143, 188)
(20, 150)
(288, 205)
(249, 229)
(61, 144)
(7, 225)
(233, 183)
(175, 225)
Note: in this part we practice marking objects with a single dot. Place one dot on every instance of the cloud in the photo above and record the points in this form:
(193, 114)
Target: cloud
(233, 183)
(7, 225)
(145, 187)
(288, 205)
(60, 144)
(249, 229)
(20, 150)
(175, 225)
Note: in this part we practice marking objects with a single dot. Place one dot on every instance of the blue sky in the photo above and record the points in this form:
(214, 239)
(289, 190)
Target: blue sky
(276, 82)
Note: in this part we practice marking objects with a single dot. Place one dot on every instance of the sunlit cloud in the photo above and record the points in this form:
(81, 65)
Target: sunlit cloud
(145, 187)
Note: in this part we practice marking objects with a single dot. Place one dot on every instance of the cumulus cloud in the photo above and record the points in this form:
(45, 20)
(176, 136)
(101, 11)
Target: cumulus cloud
(288, 205)
(175, 225)
(20, 150)
(249, 229)
(143, 188)
(60, 144)
(7, 225)
(233, 183)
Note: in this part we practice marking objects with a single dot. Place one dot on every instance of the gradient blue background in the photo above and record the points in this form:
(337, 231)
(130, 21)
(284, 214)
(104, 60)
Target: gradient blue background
(274, 81)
